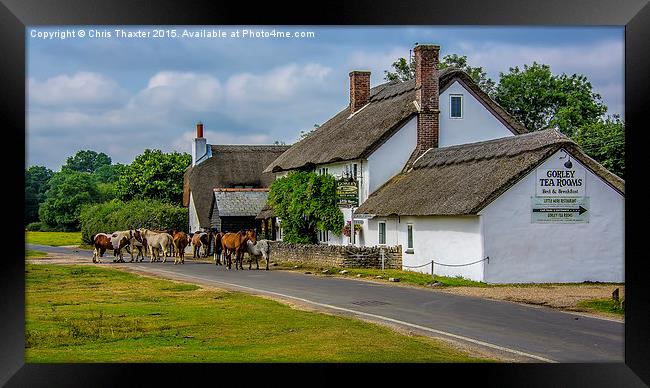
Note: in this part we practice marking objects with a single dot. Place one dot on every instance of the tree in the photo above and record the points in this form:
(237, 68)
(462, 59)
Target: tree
(154, 175)
(479, 76)
(306, 202)
(539, 100)
(109, 173)
(86, 161)
(604, 141)
(36, 184)
(68, 191)
(405, 71)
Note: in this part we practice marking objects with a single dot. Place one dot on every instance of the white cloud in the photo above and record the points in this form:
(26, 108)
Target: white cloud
(179, 90)
(279, 83)
(82, 88)
(376, 62)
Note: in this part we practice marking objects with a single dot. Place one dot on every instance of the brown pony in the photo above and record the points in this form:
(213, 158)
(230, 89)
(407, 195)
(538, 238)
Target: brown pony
(216, 247)
(180, 242)
(236, 243)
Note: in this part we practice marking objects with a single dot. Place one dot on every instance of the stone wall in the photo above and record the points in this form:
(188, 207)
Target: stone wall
(325, 256)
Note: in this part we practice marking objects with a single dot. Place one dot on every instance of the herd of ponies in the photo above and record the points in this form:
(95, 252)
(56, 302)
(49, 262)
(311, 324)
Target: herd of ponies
(173, 242)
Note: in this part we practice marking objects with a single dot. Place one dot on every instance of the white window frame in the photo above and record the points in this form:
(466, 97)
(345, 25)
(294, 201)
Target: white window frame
(462, 107)
(410, 249)
(379, 232)
(324, 236)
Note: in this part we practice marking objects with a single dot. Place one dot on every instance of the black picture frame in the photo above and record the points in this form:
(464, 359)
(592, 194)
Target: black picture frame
(16, 15)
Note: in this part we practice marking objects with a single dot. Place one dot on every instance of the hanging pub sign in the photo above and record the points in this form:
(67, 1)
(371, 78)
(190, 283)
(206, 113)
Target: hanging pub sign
(347, 193)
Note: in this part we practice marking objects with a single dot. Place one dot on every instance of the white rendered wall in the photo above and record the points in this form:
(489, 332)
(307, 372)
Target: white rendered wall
(477, 122)
(193, 217)
(525, 252)
(444, 239)
(389, 159)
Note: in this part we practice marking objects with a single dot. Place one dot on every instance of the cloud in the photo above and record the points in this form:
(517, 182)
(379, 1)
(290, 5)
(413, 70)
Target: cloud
(279, 83)
(179, 90)
(376, 62)
(601, 61)
(82, 88)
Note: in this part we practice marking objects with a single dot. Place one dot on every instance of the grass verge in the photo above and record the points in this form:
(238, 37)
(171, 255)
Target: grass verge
(409, 277)
(603, 305)
(90, 314)
(55, 239)
(34, 254)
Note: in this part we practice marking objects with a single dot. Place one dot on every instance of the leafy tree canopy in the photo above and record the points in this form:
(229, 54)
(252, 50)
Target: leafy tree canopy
(539, 99)
(306, 203)
(604, 141)
(36, 184)
(86, 161)
(404, 71)
(109, 173)
(154, 175)
(68, 191)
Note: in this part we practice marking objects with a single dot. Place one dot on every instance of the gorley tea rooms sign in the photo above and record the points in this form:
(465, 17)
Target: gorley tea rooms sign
(347, 193)
(560, 194)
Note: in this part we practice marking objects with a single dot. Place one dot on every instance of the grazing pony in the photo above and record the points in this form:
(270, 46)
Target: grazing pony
(156, 242)
(236, 243)
(101, 242)
(255, 250)
(180, 242)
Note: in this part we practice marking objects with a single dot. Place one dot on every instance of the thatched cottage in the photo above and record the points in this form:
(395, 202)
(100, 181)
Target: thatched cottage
(448, 174)
(225, 188)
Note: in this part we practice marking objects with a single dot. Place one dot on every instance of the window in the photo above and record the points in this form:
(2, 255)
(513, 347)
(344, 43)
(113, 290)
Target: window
(409, 240)
(323, 171)
(382, 233)
(323, 236)
(456, 106)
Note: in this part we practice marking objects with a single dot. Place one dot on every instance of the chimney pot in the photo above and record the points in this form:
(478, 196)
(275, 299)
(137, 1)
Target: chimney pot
(199, 130)
(359, 89)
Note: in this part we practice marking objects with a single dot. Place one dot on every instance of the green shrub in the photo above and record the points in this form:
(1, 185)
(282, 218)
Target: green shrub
(34, 227)
(43, 227)
(118, 215)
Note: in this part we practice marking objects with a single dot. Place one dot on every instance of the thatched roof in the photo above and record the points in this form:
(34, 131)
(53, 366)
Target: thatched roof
(229, 166)
(391, 105)
(463, 179)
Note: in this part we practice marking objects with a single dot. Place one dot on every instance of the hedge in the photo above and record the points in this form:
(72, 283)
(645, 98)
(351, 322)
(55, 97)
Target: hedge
(116, 215)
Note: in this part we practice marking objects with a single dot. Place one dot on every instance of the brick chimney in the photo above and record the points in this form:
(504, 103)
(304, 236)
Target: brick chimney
(359, 89)
(427, 95)
(200, 147)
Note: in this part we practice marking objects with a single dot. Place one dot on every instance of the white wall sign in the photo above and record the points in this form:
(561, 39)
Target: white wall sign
(560, 210)
(560, 182)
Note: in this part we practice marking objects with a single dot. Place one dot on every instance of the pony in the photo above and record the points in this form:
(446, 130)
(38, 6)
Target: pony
(156, 242)
(236, 243)
(217, 248)
(121, 239)
(255, 250)
(101, 242)
(179, 240)
(200, 244)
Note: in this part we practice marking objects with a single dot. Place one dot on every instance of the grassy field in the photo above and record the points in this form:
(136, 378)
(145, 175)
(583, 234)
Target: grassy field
(55, 239)
(34, 254)
(90, 314)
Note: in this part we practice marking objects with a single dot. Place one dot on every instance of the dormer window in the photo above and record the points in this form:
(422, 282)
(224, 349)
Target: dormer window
(456, 106)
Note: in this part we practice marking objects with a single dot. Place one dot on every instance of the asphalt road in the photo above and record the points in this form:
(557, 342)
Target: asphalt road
(528, 333)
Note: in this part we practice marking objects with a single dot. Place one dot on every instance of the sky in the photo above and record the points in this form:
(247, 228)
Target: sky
(123, 89)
